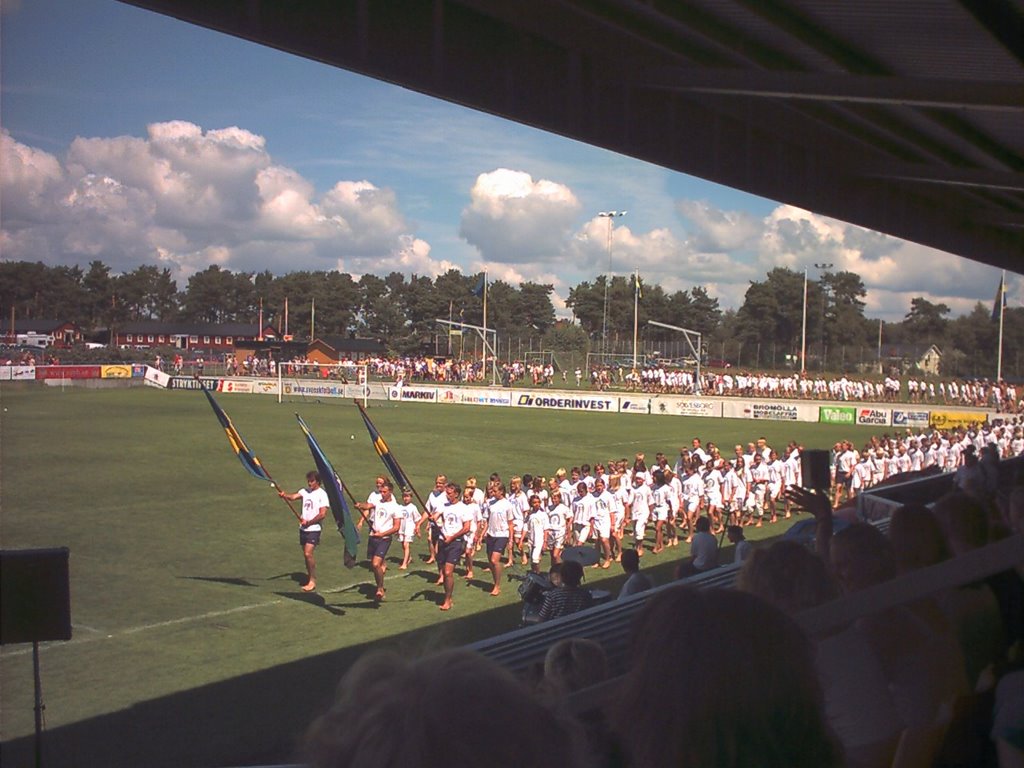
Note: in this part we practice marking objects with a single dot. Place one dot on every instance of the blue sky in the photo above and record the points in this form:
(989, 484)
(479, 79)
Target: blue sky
(134, 138)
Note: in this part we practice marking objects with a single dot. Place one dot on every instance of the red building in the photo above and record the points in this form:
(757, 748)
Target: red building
(213, 337)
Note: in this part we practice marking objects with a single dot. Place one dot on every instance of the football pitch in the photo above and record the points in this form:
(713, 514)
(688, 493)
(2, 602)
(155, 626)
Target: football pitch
(192, 641)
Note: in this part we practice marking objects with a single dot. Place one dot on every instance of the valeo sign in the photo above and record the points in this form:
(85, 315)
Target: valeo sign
(837, 414)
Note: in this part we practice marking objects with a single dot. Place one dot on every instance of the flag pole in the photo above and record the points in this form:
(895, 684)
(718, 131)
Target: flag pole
(402, 472)
(1002, 309)
(259, 471)
(636, 312)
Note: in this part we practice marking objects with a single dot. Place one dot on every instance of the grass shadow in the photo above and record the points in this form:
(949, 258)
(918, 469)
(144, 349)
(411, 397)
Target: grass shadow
(229, 580)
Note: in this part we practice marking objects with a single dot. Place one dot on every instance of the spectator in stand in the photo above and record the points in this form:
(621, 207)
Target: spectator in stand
(387, 715)
(703, 551)
(723, 710)
(858, 704)
(568, 598)
(743, 547)
(635, 582)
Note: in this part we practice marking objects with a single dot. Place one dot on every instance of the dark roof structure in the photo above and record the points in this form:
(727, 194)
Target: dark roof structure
(904, 117)
(190, 329)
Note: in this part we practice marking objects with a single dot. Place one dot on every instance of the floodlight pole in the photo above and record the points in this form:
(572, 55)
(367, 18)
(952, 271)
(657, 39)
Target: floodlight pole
(483, 333)
(608, 277)
(687, 333)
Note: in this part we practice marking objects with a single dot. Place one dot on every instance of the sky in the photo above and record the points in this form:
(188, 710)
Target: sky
(133, 138)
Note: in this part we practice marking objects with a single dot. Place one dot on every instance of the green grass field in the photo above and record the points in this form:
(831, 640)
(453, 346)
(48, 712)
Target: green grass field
(192, 641)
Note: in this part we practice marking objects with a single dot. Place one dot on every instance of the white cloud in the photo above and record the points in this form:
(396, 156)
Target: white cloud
(184, 198)
(513, 219)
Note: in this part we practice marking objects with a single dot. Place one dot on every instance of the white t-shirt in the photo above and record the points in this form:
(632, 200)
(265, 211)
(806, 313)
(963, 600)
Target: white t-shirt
(498, 513)
(312, 503)
(454, 517)
(383, 516)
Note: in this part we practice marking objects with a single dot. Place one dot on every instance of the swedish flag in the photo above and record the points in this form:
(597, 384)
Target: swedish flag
(331, 483)
(401, 481)
(247, 457)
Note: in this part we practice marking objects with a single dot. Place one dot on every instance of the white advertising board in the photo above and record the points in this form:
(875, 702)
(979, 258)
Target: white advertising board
(566, 402)
(874, 417)
(413, 394)
(771, 410)
(686, 406)
(474, 396)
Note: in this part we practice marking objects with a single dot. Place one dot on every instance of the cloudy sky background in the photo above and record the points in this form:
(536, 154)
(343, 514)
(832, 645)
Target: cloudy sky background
(134, 139)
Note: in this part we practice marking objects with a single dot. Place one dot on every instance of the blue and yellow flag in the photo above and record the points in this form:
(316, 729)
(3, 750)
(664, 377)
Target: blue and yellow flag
(331, 483)
(401, 481)
(247, 457)
(1000, 303)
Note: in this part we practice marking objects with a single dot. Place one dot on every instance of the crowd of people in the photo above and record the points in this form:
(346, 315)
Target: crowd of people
(729, 678)
(647, 505)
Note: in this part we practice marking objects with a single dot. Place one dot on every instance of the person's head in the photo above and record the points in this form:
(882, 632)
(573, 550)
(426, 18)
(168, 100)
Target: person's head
(515, 483)
(439, 482)
(703, 524)
(313, 479)
(574, 663)
(572, 573)
(471, 483)
(735, 533)
(555, 574)
(965, 521)
(581, 488)
(630, 560)
(584, 469)
(762, 707)
(916, 537)
(534, 503)
(556, 497)
(787, 575)
(386, 490)
(599, 486)
(406, 495)
(638, 480)
(453, 492)
(862, 557)
(385, 714)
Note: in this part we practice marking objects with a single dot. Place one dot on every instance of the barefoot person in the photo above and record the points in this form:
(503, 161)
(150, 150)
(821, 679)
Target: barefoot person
(497, 519)
(455, 523)
(315, 506)
(385, 521)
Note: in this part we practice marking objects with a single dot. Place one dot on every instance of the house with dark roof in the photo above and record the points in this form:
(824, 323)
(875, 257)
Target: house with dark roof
(331, 349)
(40, 332)
(211, 337)
(925, 357)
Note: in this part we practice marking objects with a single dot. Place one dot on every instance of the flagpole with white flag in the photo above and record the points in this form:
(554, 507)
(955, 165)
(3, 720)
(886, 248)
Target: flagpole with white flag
(312, 320)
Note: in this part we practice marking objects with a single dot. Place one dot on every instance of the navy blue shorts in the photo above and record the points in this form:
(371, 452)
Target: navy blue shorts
(308, 537)
(377, 546)
(496, 544)
(451, 552)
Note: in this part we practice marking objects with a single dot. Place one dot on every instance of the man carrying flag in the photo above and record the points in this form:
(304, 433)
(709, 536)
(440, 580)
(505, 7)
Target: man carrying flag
(315, 506)
(385, 516)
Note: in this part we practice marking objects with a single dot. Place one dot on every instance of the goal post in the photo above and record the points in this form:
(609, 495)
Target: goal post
(307, 381)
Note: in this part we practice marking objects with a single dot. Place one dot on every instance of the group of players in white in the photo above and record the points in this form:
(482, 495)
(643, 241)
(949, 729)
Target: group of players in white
(982, 393)
(606, 503)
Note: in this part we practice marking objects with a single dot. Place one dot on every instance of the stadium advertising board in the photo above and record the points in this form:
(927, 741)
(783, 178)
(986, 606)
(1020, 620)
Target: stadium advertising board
(474, 396)
(769, 411)
(413, 394)
(115, 371)
(873, 417)
(950, 419)
(837, 414)
(69, 371)
(559, 402)
(298, 388)
(156, 378)
(190, 382)
(17, 373)
(265, 387)
(241, 387)
(686, 406)
(911, 419)
(634, 405)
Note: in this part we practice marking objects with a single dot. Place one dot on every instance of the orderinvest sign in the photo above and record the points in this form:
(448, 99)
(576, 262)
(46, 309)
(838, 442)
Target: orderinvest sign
(837, 415)
(552, 402)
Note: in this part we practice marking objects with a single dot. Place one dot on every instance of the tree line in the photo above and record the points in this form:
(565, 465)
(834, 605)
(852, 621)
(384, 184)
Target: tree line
(403, 311)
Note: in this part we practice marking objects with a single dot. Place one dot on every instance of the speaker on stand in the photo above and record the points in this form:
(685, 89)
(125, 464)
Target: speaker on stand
(35, 606)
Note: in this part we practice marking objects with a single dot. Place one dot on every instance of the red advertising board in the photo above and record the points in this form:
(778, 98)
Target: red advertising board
(67, 372)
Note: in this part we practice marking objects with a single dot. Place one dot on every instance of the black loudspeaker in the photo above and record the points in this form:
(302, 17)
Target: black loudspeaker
(35, 596)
